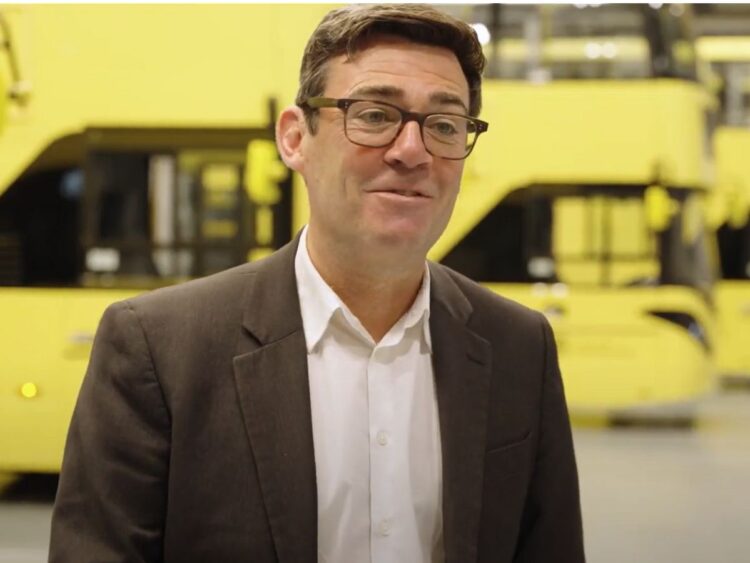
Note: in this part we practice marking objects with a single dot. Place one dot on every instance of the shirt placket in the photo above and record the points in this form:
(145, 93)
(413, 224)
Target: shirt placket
(383, 460)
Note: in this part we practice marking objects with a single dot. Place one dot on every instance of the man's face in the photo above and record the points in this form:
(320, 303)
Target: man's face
(397, 196)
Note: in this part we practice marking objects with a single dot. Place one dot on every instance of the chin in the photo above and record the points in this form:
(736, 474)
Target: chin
(415, 239)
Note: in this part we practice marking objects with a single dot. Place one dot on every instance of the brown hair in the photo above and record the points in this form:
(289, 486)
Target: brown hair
(346, 30)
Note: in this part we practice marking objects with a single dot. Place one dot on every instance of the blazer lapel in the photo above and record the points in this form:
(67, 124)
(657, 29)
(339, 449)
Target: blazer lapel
(461, 365)
(272, 384)
(273, 388)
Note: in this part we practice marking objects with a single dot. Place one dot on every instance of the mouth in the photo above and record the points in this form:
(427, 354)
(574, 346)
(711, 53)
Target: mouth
(403, 193)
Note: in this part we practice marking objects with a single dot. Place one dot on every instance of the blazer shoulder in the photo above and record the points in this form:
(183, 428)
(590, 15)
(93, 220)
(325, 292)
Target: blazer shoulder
(488, 306)
(219, 290)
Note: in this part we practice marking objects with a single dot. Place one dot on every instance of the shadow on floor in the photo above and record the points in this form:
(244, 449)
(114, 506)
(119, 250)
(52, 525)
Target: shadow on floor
(34, 488)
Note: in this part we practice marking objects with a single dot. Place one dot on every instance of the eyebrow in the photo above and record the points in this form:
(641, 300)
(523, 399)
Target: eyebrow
(393, 93)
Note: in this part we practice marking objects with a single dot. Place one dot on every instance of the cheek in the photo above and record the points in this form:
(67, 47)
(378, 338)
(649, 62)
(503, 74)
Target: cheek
(449, 179)
(356, 167)
(335, 176)
(322, 160)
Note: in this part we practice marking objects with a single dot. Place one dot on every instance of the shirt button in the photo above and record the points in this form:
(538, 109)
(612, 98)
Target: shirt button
(382, 438)
(384, 528)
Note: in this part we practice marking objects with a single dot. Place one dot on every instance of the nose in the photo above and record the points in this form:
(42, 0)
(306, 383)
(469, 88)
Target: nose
(408, 148)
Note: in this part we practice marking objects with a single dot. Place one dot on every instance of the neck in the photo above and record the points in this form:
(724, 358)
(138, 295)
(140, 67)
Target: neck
(378, 292)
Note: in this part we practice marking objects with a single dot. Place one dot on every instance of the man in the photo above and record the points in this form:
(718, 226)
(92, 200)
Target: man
(341, 401)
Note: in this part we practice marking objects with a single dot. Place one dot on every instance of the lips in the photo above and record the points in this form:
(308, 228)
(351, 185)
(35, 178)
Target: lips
(407, 193)
(403, 193)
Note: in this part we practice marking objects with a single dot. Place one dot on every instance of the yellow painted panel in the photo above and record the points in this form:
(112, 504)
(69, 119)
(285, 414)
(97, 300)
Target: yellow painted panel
(45, 342)
(613, 355)
(733, 308)
(189, 65)
(587, 131)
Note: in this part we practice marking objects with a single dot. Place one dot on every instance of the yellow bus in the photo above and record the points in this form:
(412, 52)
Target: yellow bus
(586, 202)
(729, 58)
(124, 165)
(127, 169)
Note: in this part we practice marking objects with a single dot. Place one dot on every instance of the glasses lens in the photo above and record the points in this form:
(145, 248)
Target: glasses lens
(449, 136)
(372, 124)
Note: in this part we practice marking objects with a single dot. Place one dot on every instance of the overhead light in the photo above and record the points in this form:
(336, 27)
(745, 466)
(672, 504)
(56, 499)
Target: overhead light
(593, 50)
(609, 50)
(483, 34)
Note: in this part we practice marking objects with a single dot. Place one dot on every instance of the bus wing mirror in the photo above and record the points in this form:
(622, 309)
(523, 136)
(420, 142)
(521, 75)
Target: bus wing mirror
(263, 172)
(739, 208)
(659, 208)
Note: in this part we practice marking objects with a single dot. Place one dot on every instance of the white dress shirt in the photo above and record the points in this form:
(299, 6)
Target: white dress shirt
(375, 429)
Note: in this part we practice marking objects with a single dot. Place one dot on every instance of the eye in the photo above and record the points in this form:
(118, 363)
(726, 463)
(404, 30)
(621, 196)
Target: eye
(444, 127)
(372, 116)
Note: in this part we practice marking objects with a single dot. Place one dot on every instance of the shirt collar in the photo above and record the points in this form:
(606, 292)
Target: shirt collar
(318, 303)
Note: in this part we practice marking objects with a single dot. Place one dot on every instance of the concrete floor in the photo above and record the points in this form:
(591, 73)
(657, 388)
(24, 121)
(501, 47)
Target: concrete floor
(669, 496)
(649, 495)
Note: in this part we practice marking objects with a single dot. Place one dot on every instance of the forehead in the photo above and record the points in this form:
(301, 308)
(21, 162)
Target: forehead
(400, 70)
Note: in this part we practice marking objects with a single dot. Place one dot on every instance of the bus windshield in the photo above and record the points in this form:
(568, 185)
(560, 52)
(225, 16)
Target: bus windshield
(591, 236)
(133, 208)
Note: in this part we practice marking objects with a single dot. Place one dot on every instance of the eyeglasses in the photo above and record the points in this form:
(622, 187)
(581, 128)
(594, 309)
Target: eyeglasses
(377, 124)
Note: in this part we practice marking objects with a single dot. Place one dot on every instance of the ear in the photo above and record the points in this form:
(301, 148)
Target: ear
(290, 130)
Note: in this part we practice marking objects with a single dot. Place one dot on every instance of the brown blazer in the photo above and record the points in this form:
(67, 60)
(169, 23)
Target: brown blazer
(192, 441)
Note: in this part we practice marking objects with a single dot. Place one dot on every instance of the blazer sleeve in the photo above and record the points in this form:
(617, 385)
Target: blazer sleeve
(111, 498)
(551, 528)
